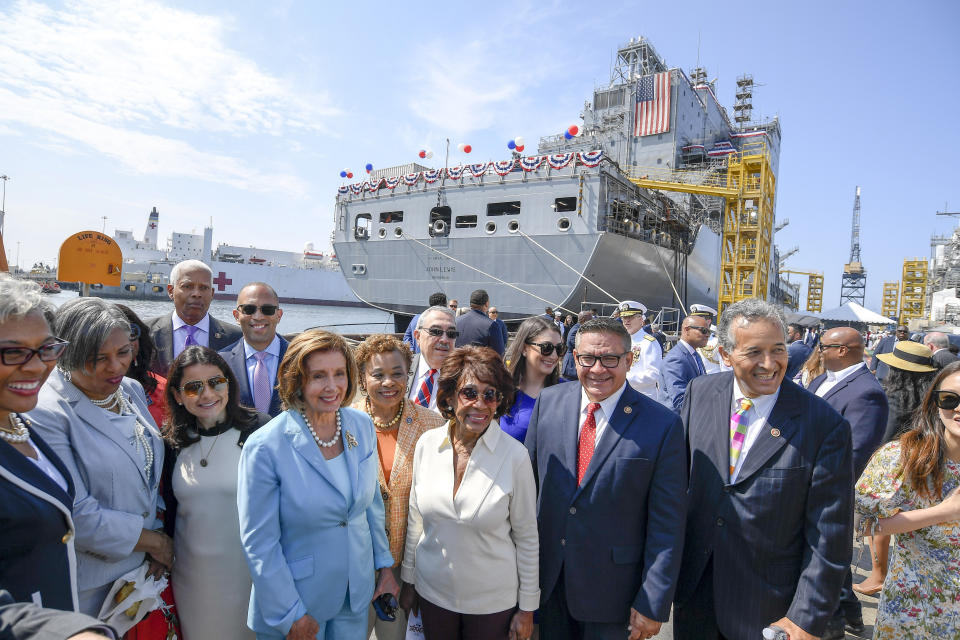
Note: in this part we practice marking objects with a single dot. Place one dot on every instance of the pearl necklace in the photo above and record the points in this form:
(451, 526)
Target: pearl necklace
(379, 425)
(19, 434)
(117, 400)
(110, 401)
(323, 443)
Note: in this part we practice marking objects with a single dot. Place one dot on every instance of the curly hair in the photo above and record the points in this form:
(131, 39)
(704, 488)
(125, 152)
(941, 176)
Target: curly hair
(293, 367)
(376, 344)
(140, 367)
(905, 392)
(923, 448)
(180, 426)
(482, 364)
(531, 328)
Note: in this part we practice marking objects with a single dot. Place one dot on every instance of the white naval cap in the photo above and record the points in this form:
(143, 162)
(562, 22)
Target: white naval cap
(630, 308)
(702, 310)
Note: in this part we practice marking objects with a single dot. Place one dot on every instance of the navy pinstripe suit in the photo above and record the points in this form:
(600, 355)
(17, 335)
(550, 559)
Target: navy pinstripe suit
(776, 542)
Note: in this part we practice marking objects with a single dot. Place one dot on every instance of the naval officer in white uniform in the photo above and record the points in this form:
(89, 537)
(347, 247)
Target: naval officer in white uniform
(644, 375)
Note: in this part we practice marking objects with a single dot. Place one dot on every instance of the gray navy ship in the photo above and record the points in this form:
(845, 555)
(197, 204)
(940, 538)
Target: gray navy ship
(567, 227)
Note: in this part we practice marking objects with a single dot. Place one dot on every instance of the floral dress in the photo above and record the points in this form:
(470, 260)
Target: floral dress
(921, 595)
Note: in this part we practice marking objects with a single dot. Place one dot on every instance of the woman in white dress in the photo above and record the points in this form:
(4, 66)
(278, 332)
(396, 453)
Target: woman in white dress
(211, 581)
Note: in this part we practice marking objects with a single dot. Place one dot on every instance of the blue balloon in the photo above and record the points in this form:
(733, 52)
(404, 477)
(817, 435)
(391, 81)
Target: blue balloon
(511, 145)
(566, 134)
(369, 167)
(343, 174)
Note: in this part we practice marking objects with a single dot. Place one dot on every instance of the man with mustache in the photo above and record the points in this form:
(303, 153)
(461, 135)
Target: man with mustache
(436, 333)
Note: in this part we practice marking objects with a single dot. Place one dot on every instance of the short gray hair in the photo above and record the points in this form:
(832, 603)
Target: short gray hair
(188, 265)
(937, 339)
(744, 312)
(437, 308)
(86, 323)
(604, 325)
(19, 298)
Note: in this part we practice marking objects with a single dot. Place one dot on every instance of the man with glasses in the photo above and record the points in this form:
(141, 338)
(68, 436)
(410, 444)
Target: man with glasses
(849, 387)
(494, 315)
(886, 345)
(682, 363)
(256, 357)
(436, 333)
(191, 289)
(797, 351)
(476, 327)
(645, 375)
(436, 299)
(611, 469)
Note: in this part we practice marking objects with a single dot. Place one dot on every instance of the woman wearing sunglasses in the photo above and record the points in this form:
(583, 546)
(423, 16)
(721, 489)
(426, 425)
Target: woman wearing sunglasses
(37, 558)
(533, 361)
(97, 421)
(204, 409)
(384, 364)
(911, 489)
(471, 566)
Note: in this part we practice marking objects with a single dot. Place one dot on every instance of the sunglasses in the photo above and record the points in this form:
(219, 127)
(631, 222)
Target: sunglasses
(134, 332)
(546, 348)
(490, 396)
(436, 332)
(947, 400)
(704, 330)
(194, 388)
(824, 347)
(250, 309)
(607, 360)
(23, 355)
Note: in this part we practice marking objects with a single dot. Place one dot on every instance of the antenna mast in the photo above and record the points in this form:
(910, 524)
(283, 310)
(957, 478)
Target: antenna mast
(853, 284)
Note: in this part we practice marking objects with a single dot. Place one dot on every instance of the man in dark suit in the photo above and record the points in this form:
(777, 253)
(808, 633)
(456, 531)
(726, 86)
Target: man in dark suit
(939, 345)
(191, 289)
(770, 514)
(494, 315)
(256, 357)
(437, 299)
(850, 388)
(886, 345)
(610, 467)
(27, 621)
(569, 370)
(436, 334)
(682, 363)
(476, 327)
(798, 351)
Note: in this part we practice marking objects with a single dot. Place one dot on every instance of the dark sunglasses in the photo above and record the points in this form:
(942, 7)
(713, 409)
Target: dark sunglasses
(250, 309)
(23, 355)
(436, 332)
(947, 400)
(704, 330)
(134, 332)
(194, 388)
(607, 360)
(546, 348)
(490, 396)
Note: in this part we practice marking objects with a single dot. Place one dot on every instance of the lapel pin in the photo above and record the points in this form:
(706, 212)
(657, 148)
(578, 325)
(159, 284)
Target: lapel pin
(628, 409)
(409, 420)
(351, 441)
(775, 432)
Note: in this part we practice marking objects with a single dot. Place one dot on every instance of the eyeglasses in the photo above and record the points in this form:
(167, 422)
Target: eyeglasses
(947, 400)
(607, 360)
(547, 348)
(704, 330)
(23, 355)
(250, 309)
(194, 388)
(490, 396)
(824, 347)
(134, 332)
(436, 332)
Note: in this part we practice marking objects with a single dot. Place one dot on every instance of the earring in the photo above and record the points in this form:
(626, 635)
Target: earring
(66, 374)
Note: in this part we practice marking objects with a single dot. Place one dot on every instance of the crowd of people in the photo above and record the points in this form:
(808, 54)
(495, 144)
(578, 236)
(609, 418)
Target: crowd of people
(578, 480)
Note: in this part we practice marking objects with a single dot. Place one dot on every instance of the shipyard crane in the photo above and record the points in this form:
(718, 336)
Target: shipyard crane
(853, 282)
(814, 288)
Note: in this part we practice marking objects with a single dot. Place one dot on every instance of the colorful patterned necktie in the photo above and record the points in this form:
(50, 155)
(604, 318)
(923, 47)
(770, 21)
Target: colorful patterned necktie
(426, 389)
(588, 438)
(738, 432)
(191, 341)
(261, 383)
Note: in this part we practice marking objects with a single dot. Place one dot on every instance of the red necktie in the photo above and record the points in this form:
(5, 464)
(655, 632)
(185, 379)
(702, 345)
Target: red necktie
(588, 436)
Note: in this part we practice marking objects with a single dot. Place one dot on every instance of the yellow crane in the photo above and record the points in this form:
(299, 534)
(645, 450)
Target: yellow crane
(814, 288)
(890, 306)
(748, 186)
(913, 294)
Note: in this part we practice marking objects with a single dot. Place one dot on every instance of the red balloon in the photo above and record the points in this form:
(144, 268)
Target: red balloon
(349, 175)
(574, 130)
(520, 148)
(467, 149)
(422, 154)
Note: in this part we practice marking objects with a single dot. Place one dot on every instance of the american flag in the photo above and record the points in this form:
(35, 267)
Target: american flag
(651, 114)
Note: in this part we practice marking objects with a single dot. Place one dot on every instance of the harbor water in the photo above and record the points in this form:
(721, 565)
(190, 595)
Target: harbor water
(296, 317)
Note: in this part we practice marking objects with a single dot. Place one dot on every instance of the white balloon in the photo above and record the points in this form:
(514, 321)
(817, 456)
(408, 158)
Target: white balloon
(429, 154)
(461, 146)
(518, 141)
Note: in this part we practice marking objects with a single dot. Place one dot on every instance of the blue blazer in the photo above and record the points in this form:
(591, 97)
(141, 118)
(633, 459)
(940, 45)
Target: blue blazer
(236, 357)
(37, 558)
(780, 535)
(861, 400)
(618, 535)
(679, 367)
(477, 328)
(408, 334)
(569, 369)
(884, 346)
(798, 352)
(304, 542)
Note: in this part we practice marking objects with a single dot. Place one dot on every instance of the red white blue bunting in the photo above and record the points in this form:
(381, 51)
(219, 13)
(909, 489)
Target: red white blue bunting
(722, 151)
(344, 189)
(391, 183)
(504, 167)
(478, 169)
(454, 173)
(559, 160)
(531, 163)
(356, 189)
(590, 158)
(432, 175)
(374, 185)
(411, 179)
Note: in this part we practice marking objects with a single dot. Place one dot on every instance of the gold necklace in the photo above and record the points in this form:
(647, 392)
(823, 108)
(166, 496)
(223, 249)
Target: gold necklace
(379, 425)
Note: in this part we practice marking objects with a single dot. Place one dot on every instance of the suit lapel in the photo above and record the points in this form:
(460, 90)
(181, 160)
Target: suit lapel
(719, 427)
(616, 425)
(239, 365)
(846, 381)
(781, 420)
(307, 447)
(568, 437)
(163, 340)
(21, 467)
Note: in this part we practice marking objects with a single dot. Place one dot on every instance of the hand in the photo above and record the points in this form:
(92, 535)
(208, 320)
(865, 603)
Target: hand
(156, 570)
(386, 583)
(408, 599)
(642, 627)
(306, 628)
(158, 545)
(795, 632)
(521, 625)
(951, 506)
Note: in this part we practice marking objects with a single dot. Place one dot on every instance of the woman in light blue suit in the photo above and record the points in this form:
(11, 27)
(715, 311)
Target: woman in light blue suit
(97, 422)
(311, 514)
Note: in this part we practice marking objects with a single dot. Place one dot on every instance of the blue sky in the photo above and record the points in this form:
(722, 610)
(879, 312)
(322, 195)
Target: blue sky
(245, 112)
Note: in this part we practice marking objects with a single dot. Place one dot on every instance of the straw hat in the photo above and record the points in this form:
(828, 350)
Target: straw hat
(909, 356)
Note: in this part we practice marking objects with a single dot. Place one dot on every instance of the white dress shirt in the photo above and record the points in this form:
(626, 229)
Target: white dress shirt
(272, 361)
(180, 333)
(423, 369)
(756, 418)
(836, 377)
(602, 415)
(478, 551)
